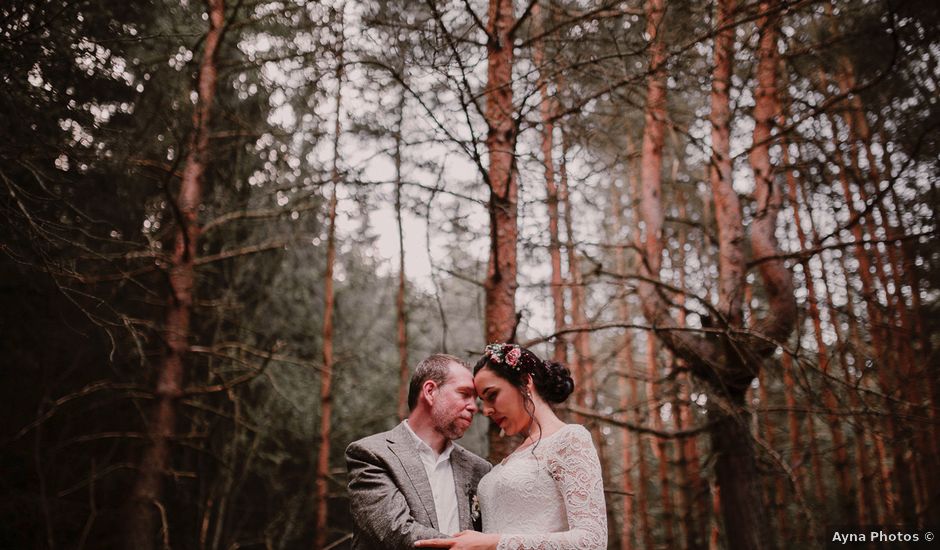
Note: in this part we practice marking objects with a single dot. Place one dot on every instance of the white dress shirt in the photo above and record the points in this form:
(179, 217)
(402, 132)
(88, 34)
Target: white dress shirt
(441, 476)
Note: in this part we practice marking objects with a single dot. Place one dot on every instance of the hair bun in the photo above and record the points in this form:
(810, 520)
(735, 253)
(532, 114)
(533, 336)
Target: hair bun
(557, 385)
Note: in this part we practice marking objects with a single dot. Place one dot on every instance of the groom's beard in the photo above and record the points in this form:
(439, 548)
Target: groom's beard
(451, 426)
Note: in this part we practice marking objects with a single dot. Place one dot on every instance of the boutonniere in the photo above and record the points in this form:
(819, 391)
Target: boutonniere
(474, 505)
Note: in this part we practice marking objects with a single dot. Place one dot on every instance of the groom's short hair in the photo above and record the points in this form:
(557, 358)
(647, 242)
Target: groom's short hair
(436, 367)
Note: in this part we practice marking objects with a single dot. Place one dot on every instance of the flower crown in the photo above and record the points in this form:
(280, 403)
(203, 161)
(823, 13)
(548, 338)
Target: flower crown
(508, 354)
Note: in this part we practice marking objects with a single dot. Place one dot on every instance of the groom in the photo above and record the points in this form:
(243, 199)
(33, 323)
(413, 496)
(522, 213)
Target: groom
(412, 482)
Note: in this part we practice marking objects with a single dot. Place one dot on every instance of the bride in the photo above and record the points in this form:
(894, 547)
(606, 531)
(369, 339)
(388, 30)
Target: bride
(548, 494)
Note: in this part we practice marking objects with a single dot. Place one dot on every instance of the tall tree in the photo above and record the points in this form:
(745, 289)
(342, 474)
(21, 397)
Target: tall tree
(401, 318)
(501, 174)
(322, 478)
(626, 362)
(582, 364)
(502, 205)
(689, 474)
(650, 175)
(547, 110)
(644, 525)
(146, 506)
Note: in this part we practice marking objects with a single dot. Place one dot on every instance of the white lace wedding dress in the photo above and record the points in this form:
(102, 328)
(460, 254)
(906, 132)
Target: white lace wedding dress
(547, 497)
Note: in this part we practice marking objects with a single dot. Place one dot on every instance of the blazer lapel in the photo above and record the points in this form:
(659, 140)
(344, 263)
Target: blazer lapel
(462, 484)
(402, 444)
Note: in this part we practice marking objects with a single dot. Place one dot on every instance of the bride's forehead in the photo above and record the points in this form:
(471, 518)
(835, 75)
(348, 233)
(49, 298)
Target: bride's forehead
(486, 377)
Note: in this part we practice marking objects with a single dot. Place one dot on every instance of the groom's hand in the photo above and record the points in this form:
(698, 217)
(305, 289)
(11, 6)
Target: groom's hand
(464, 540)
(436, 543)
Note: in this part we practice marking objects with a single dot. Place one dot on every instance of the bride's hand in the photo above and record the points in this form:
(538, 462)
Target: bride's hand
(464, 540)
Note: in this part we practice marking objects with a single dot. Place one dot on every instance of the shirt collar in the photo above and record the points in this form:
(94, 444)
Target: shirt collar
(424, 448)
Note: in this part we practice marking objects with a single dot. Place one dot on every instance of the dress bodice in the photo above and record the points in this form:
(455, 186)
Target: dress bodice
(549, 496)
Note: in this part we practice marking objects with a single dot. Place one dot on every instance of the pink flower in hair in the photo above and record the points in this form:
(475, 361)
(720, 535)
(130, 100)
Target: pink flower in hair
(512, 358)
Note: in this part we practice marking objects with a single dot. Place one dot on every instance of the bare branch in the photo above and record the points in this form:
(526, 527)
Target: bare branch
(609, 419)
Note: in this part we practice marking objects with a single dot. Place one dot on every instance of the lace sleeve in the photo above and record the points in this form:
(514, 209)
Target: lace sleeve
(574, 466)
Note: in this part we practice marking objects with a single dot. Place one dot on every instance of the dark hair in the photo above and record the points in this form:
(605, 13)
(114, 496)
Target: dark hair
(436, 367)
(515, 363)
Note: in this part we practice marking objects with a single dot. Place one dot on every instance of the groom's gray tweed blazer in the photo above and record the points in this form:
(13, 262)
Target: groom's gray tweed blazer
(390, 495)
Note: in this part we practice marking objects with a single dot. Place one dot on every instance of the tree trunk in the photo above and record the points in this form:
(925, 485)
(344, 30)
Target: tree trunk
(727, 206)
(793, 420)
(628, 518)
(321, 480)
(714, 538)
(145, 506)
(401, 317)
(650, 210)
(736, 471)
(583, 363)
(776, 490)
(546, 112)
(500, 285)
(625, 360)
(690, 480)
(652, 145)
(892, 380)
(655, 400)
(776, 278)
(642, 486)
(736, 468)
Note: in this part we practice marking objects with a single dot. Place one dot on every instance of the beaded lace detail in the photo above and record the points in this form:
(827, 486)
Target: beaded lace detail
(547, 497)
